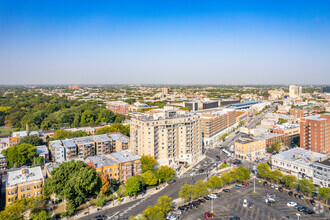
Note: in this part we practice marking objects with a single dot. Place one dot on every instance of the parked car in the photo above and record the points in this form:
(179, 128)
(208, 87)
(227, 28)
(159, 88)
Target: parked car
(301, 197)
(192, 174)
(272, 186)
(208, 215)
(226, 190)
(201, 171)
(239, 184)
(212, 196)
(280, 189)
(171, 217)
(237, 187)
(265, 183)
(309, 212)
(171, 181)
(251, 205)
(291, 204)
(269, 200)
(296, 196)
(217, 194)
(183, 208)
(235, 218)
(201, 200)
(244, 184)
(245, 203)
(218, 157)
(207, 198)
(312, 201)
(271, 195)
(276, 187)
(198, 166)
(302, 209)
(290, 193)
(177, 212)
(298, 206)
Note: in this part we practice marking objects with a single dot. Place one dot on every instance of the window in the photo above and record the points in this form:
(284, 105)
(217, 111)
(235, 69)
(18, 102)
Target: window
(22, 189)
(28, 188)
(28, 195)
(23, 195)
(8, 192)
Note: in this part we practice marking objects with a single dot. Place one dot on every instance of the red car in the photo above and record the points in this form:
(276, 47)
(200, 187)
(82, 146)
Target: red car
(244, 184)
(208, 215)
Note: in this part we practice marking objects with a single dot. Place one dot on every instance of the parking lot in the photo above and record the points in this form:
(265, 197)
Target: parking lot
(231, 204)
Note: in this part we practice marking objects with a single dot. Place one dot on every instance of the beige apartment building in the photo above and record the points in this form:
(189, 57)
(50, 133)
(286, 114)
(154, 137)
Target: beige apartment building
(250, 148)
(172, 137)
(216, 123)
(24, 183)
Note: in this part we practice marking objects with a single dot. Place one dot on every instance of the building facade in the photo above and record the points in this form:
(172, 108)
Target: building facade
(295, 91)
(129, 164)
(118, 107)
(296, 161)
(315, 133)
(216, 123)
(250, 148)
(24, 183)
(170, 137)
(105, 164)
(119, 141)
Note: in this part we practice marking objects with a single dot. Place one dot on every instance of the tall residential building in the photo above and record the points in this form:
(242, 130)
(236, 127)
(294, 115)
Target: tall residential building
(295, 91)
(315, 133)
(172, 138)
(24, 183)
(216, 123)
(165, 91)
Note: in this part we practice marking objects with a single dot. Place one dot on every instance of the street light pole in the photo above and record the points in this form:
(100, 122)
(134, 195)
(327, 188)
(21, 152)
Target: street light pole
(298, 215)
(212, 206)
(254, 183)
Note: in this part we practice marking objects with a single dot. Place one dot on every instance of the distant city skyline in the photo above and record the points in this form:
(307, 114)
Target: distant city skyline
(173, 42)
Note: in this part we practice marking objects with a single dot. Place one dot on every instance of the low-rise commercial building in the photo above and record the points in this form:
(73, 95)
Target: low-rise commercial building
(24, 183)
(250, 148)
(296, 161)
(321, 172)
(288, 130)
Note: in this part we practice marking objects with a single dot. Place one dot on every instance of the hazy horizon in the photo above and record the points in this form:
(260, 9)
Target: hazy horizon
(168, 43)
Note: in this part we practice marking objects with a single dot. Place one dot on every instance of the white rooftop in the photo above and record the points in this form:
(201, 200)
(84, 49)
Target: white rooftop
(299, 155)
(17, 177)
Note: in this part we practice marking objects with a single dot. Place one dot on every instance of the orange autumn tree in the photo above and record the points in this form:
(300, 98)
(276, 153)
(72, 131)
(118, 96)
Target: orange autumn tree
(105, 183)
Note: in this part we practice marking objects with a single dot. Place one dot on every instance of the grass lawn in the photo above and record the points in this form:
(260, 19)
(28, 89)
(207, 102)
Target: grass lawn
(224, 165)
(4, 130)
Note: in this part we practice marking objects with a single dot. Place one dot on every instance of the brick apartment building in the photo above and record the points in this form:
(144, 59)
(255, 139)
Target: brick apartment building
(118, 107)
(315, 133)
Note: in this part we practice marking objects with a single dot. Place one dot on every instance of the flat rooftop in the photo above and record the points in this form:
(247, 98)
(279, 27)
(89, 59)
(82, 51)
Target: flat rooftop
(17, 177)
(300, 156)
(125, 156)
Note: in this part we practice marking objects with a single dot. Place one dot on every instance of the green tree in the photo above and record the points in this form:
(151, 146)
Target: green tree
(164, 203)
(201, 188)
(165, 173)
(73, 181)
(214, 182)
(106, 116)
(20, 155)
(282, 121)
(324, 193)
(306, 186)
(226, 178)
(153, 213)
(78, 134)
(188, 192)
(149, 178)
(133, 185)
(100, 201)
(289, 180)
(31, 139)
(43, 215)
(276, 175)
(148, 163)
(61, 134)
(263, 170)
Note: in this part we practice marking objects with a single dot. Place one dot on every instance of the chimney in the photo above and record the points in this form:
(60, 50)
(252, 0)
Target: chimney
(312, 157)
(25, 172)
(27, 129)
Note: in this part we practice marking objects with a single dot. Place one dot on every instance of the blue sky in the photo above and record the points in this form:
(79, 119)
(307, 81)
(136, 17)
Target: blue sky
(165, 42)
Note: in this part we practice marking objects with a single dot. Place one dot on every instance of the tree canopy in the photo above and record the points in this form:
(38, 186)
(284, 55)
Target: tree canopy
(133, 185)
(19, 155)
(124, 129)
(165, 173)
(148, 163)
(31, 139)
(73, 181)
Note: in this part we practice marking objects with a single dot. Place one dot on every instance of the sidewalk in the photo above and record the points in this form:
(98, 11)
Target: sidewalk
(127, 199)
